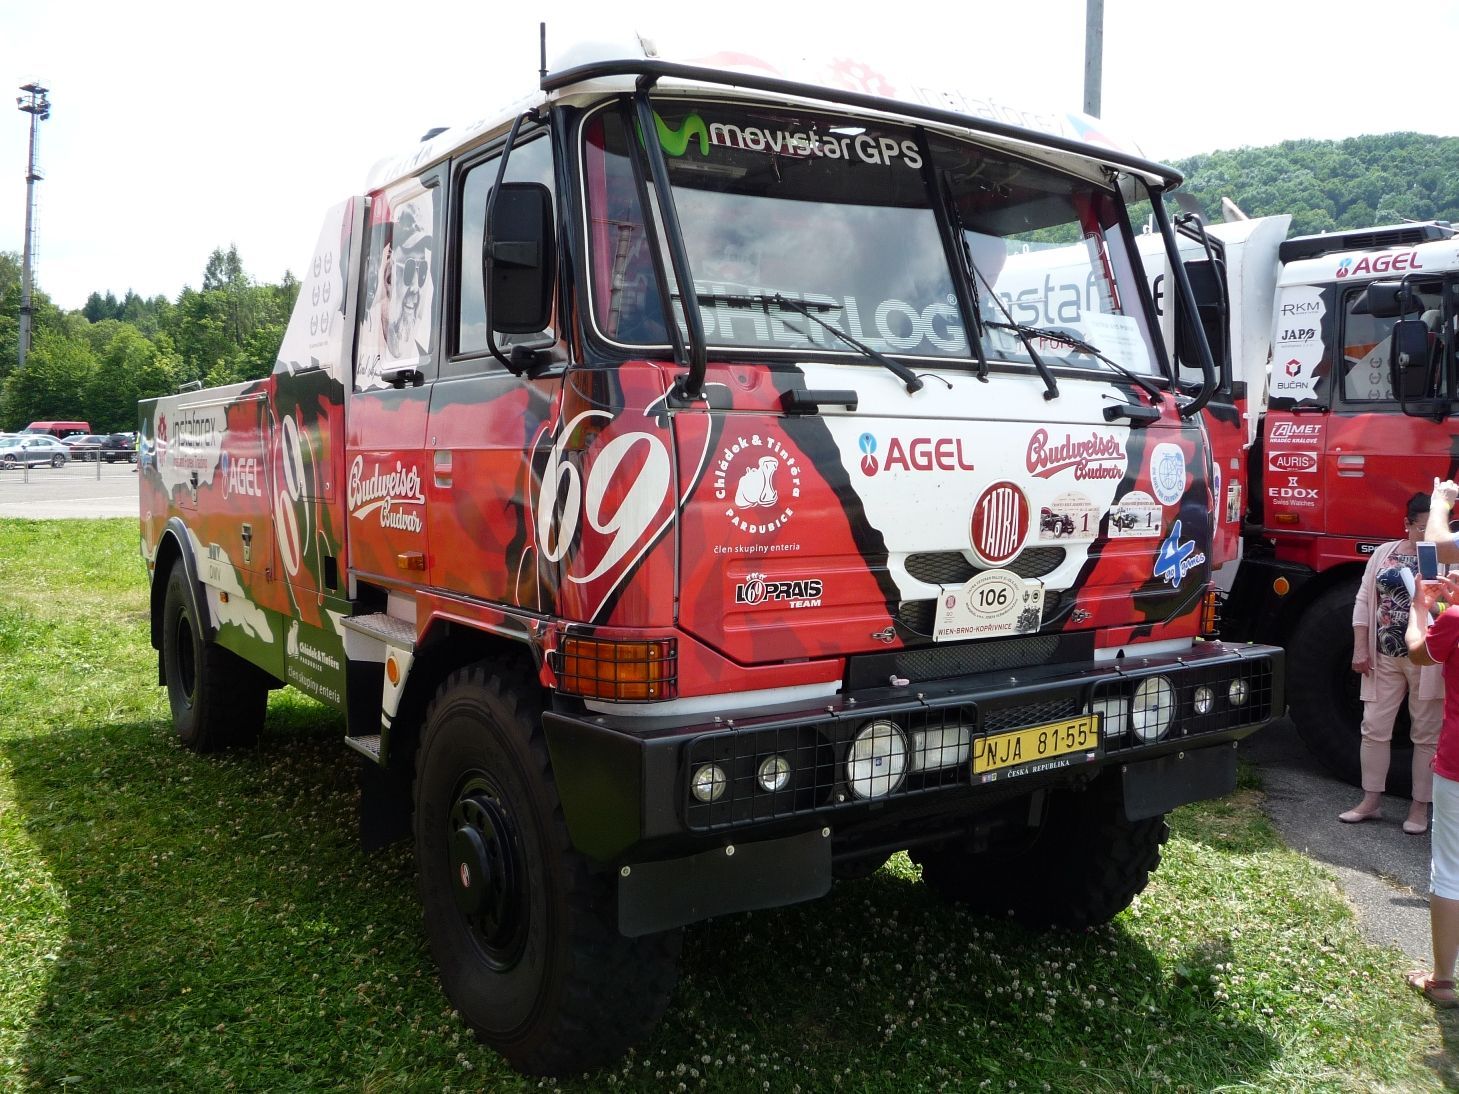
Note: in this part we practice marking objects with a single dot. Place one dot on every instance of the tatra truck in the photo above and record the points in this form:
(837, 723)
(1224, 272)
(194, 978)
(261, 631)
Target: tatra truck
(666, 483)
(1335, 403)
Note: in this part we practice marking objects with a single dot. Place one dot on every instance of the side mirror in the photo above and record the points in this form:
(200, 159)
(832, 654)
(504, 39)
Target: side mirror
(1409, 354)
(1207, 284)
(1387, 300)
(519, 257)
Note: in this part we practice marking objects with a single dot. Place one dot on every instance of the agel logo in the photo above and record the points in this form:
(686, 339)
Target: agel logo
(917, 454)
(1405, 260)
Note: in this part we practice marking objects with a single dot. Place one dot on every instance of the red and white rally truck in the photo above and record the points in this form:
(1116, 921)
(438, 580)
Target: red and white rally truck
(1338, 438)
(658, 482)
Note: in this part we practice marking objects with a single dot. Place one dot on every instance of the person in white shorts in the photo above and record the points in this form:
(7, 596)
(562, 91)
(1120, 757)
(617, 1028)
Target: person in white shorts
(1436, 642)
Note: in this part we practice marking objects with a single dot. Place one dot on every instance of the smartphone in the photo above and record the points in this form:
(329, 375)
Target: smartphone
(1428, 561)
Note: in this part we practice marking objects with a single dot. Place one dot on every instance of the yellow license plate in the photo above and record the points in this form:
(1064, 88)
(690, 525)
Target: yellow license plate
(1030, 746)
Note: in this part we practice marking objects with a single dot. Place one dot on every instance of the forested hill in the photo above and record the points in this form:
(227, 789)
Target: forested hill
(1353, 183)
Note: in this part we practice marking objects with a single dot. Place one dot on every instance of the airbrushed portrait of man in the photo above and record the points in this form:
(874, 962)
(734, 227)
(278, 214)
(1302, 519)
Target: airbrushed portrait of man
(407, 336)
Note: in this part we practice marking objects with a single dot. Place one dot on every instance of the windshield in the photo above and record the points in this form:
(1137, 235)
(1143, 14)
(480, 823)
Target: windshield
(841, 214)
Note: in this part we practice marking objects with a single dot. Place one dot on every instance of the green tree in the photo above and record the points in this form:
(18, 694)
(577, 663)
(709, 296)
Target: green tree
(52, 385)
(128, 369)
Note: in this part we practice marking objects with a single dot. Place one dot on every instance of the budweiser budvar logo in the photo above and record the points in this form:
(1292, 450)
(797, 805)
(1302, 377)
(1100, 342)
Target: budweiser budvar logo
(385, 492)
(1100, 457)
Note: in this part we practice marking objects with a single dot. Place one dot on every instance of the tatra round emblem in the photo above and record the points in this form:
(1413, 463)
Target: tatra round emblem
(1000, 523)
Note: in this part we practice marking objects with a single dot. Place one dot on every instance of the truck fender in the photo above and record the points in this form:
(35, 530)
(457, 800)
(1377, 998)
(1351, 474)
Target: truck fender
(174, 547)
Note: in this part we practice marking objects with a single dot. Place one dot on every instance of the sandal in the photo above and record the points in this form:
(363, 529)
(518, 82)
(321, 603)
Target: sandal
(1357, 816)
(1415, 828)
(1431, 988)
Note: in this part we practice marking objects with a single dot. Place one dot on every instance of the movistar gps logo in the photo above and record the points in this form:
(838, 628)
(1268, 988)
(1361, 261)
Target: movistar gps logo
(676, 141)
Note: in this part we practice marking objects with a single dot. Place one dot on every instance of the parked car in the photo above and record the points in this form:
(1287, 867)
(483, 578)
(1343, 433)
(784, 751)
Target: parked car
(119, 447)
(33, 451)
(85, 446)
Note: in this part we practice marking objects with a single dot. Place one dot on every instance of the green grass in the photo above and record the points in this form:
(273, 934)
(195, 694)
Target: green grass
(171, 921)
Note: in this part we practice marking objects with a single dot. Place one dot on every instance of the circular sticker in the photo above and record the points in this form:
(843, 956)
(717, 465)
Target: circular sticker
(1167, 472)
(999, 524)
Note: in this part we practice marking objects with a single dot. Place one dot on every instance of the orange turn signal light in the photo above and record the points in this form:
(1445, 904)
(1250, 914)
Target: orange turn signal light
(1210, 613)
(633, 671)
(1281, 586)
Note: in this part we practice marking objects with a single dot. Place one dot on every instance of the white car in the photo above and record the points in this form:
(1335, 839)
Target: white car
(33, 451)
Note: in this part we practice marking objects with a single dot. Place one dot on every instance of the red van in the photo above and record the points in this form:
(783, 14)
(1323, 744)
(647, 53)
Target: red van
(58, 429)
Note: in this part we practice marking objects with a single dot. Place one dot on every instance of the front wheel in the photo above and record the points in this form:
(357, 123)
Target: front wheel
(9, 461)
(57, 460)
(522, 926)
(218, 699)
(1324, 693)
(1082, 866)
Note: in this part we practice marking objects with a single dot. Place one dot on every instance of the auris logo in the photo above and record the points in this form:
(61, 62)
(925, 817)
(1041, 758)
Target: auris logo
(1377, 264)
(917, 454)
(1293, 461)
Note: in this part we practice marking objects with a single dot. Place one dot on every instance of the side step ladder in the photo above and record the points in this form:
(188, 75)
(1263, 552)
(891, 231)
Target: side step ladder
(381, 649)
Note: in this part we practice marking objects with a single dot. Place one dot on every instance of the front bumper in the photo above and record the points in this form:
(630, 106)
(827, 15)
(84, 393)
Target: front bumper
(625, 783)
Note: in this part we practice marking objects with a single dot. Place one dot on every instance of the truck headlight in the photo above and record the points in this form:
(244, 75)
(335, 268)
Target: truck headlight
(1238, 692)
(877, 760)
(774, 774)
(1152, 711)
(708, 782)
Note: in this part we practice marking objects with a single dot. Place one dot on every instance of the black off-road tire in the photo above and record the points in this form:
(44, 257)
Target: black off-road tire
(1323, 695)
(529, 952)
(218, 699)
(1081, 867)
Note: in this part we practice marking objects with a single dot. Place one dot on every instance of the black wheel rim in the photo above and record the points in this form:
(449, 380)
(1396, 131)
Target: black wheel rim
(186, 659)
(486, 876)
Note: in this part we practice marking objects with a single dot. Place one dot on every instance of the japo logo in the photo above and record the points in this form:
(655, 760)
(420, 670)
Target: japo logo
(999, 523)
(766, 483)
(867, 443)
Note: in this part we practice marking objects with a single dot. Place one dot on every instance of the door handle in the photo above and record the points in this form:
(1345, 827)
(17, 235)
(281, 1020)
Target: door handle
(1351, 467)
(442, 469)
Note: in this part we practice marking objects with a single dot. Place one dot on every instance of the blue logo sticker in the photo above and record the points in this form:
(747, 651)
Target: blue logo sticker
(1176, 559)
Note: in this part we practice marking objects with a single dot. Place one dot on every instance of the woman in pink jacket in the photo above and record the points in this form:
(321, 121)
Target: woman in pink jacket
(1380, 654)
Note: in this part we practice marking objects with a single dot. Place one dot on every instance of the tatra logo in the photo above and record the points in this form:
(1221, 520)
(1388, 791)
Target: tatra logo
(790, 594)
(917, 454)
(385, 493)
(1385, 263)
(765, 476)
(1093, 458)
(1000, 523)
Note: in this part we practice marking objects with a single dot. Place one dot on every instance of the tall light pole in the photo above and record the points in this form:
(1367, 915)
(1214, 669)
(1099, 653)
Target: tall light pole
(1093, 55)
(34, 103)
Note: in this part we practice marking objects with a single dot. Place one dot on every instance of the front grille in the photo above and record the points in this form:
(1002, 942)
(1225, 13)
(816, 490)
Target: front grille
(954, 567)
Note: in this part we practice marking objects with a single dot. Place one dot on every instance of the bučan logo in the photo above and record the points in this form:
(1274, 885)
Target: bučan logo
(1377, 264)
(917, 454)
(1101, 456)
(1294, 367)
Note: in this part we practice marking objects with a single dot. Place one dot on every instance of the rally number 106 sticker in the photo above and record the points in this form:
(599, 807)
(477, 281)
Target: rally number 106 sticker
(994, 602)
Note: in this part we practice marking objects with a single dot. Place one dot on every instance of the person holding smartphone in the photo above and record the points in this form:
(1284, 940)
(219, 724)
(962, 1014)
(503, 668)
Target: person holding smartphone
(1381, 656)
(1436, 642)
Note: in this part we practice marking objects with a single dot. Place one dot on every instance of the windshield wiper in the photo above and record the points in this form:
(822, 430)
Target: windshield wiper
(764, 300)
(1081, 346)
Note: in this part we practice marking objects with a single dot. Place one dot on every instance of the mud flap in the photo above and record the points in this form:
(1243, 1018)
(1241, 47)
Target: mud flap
(1153, 787)
(656, 896)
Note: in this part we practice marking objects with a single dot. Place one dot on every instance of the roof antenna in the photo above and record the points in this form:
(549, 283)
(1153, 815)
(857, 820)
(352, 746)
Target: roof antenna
(542, 27)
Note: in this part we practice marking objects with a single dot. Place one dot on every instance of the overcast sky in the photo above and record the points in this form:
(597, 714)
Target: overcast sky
(178, 127)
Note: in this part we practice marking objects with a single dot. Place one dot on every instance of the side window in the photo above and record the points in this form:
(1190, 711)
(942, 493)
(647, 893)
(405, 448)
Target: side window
(529, 162)
(1367, 377)
(400, 277)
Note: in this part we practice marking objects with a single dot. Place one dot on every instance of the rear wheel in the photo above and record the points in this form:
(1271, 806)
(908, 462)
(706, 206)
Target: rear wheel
(1324, 692)
(1082, 866)
(218, 699)
(8, 459)
(57, 460)
(522, 926)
